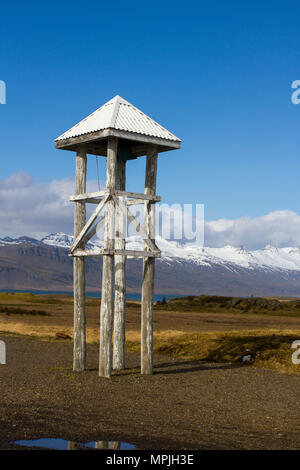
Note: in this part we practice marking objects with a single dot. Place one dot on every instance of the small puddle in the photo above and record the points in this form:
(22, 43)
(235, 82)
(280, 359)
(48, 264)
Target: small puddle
(63, 444)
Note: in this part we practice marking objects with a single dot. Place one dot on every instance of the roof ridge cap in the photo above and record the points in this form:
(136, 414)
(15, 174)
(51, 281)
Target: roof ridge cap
(115, 114)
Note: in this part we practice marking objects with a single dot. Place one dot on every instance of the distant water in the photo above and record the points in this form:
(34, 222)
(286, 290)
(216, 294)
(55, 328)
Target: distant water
(63, 444)
(129, 296)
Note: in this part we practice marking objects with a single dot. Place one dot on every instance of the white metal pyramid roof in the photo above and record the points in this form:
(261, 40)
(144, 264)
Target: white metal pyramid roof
(122, 115)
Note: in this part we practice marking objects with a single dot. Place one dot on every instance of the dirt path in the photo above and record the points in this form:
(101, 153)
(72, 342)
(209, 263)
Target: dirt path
(183, 405)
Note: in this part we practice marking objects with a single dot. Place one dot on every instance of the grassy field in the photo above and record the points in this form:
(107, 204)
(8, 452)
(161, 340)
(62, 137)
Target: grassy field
(214, 304)
(208, 328)
(272, 348)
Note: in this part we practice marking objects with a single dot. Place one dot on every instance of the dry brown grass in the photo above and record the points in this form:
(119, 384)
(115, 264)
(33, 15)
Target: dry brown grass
(20, 328)
(186, 335)
(273, 346)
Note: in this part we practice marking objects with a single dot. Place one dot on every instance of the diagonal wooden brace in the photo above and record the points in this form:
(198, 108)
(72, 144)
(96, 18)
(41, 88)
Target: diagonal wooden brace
(93, 230)
(136, 224)
(89, 223)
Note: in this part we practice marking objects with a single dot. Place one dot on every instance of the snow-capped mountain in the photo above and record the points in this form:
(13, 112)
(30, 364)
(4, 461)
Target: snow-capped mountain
(267, 258)
(18, 241)
(62, 240)
(27, 263)
(58, 239)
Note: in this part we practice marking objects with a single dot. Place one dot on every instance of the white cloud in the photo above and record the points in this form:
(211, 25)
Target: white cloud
(36, 209)
(278, 228)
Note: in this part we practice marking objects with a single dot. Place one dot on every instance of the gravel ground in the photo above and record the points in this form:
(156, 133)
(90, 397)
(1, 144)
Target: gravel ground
(184, 405)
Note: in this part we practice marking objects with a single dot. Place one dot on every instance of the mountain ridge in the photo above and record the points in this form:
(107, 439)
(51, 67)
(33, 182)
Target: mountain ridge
(268, 257)
(27, 263)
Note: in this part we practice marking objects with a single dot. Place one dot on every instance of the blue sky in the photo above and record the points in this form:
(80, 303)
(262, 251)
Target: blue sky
(216, 74)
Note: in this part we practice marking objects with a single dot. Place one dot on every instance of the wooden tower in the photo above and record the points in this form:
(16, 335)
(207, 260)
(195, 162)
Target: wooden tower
(120, 132)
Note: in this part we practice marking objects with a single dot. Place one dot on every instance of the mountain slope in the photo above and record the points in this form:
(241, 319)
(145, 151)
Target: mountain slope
(267, 258)
(27, 263)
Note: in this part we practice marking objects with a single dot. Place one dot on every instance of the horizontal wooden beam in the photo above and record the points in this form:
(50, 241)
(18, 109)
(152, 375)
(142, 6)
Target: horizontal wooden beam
(129, 202)
(93, 252)
(85, 196)
(81, 139)
(91, 197)
(138, 254)
(97, 252)
(142, 196)
(105, 133)
(93, 200)
(134, 202)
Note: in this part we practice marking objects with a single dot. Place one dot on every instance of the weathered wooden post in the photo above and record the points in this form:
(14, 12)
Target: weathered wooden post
(119, 132)
(72, 445)
(148, 267)
(120, 278)
(106, 315)
(115, 445)
(79, 355)
(101, 445)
